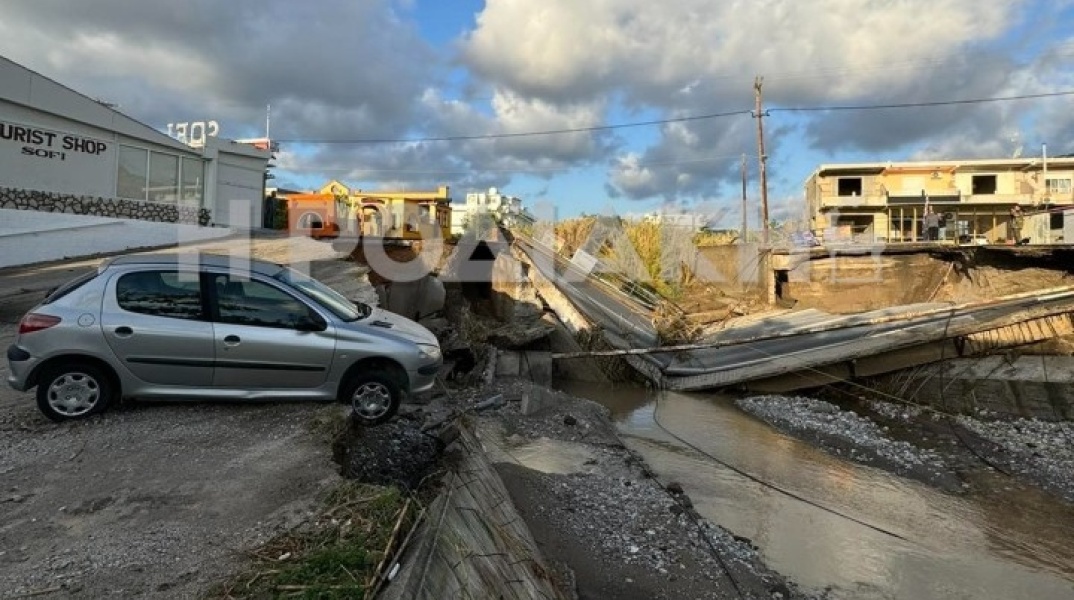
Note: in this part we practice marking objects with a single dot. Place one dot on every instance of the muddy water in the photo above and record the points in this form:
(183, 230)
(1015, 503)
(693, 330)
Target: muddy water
(870, 534)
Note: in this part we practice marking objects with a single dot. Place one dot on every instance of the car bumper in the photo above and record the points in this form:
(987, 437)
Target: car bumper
(423, 379)
(20, 364)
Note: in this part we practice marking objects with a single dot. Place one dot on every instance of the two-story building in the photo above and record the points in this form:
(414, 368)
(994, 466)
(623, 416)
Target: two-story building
(885, 202)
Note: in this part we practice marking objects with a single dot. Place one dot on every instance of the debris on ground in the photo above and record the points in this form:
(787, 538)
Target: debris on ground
(617, 530)
(394, 453)
(515, 336)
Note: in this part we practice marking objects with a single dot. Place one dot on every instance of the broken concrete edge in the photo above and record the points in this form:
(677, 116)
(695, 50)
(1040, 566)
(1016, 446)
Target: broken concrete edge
(490, 366)
(570, 320)
(472, 540)
(1035, 387)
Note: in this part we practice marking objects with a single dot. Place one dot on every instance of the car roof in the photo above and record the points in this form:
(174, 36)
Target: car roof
(222, 261)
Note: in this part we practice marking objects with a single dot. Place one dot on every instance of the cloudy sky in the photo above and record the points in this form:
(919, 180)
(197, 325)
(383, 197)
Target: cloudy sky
(631, 104)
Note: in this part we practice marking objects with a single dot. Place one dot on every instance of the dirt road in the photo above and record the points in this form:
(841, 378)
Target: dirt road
(148, 500)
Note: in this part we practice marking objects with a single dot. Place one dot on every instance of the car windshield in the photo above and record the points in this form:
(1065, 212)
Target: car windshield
(345, 309)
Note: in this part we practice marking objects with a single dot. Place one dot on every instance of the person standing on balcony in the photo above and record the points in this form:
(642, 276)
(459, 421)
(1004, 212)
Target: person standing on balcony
(1017, 221)
(932, 225)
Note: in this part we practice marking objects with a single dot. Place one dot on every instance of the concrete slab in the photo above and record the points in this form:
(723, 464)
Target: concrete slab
(1014, 386)
(576, 369)
(508, 363)
(537, 367)
(414, 299)
(536, 399)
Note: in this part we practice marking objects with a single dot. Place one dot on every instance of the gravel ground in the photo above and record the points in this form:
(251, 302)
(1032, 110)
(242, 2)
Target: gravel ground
(615, 530)
(927, 446)
(1038, 451)
(149, 500)
(851, 436)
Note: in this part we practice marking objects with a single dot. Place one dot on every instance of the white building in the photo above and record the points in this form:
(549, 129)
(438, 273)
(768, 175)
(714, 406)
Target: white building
(506, 209)
(61, 151)
(691, 221)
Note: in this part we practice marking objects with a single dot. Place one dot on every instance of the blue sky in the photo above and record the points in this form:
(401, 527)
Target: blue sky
(340, 74)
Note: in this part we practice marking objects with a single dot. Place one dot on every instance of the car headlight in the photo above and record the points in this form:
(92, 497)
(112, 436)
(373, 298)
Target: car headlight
(429, 351)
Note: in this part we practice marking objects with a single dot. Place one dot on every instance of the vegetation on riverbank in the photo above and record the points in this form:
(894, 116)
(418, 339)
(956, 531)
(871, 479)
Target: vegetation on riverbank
(343, 552)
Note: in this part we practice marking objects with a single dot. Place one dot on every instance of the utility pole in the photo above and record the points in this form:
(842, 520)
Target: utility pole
(744, 236)
(759, 114)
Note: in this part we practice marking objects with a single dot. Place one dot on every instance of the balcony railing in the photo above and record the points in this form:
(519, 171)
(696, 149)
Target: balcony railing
(903, 199)
(867, 200)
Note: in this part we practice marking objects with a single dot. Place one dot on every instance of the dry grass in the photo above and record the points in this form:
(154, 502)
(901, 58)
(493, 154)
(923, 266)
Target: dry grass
(574, 233)
(674, 327)
(338, 555)
(706, 239)
(645, 252)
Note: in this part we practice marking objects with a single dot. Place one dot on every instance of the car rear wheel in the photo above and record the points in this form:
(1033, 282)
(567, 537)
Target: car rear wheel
(375, 397)
(74, 391)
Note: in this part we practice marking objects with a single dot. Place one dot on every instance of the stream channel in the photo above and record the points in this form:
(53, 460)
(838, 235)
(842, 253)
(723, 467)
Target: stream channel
(1003, 542)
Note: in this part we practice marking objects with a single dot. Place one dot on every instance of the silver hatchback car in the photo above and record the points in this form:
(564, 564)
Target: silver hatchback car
(157, 326)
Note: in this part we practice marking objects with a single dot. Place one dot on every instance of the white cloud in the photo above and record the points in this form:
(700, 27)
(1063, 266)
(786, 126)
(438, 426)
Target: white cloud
(568, 50)
(359, 70)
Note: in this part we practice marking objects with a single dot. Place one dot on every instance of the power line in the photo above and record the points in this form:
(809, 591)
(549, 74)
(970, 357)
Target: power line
(493, 136)
(922, 104)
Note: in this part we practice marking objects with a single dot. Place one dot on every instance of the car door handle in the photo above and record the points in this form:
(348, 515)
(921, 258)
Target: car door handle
(232, 340)
(124, 331)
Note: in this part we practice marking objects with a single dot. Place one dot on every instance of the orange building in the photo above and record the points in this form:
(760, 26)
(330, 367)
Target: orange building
(336, 210)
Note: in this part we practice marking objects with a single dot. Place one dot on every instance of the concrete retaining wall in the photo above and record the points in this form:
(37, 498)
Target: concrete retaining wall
(1027, 386)
(29, 237)
(472, 542)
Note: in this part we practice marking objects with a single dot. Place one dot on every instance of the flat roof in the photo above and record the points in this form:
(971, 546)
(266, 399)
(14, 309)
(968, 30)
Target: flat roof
(950, 165)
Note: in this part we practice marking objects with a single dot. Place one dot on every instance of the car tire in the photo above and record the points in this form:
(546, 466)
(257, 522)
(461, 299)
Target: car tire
(71, 391)
(374, 397)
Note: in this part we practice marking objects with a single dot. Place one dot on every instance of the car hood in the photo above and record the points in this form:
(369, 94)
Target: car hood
(399, 325)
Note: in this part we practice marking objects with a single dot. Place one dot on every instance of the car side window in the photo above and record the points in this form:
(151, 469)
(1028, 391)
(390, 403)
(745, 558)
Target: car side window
(251, 302)
(160, 293)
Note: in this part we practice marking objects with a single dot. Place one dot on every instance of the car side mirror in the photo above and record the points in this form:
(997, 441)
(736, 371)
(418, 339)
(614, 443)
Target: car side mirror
(310, 323)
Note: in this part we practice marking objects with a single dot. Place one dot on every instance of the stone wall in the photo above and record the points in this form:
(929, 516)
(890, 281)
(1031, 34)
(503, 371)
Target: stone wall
(102, 207)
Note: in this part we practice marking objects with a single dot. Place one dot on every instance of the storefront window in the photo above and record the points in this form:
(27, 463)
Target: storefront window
(132, 171)
(163, 177)
(193, 182)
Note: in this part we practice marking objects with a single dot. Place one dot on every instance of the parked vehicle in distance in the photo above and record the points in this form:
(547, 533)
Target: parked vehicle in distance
(156, 326)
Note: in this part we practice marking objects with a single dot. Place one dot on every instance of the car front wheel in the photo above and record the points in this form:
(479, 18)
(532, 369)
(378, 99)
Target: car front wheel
(375, 397)
(74, 391)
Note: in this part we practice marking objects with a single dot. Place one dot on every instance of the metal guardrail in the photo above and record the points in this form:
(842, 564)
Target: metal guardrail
(624, 288)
